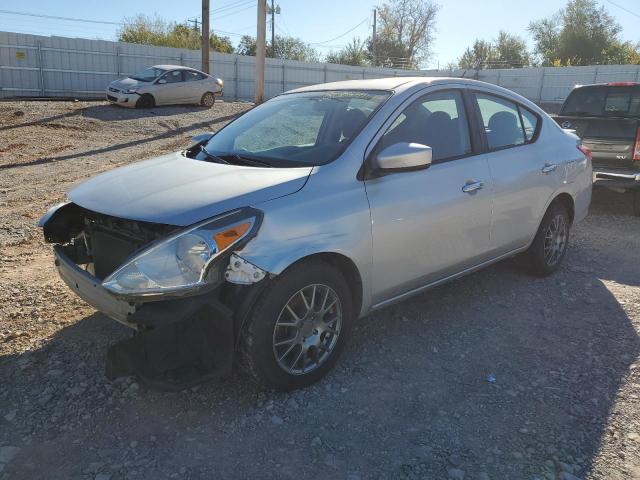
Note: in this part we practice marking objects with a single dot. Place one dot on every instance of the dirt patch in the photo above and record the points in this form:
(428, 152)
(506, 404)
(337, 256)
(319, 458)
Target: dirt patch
(497, 375)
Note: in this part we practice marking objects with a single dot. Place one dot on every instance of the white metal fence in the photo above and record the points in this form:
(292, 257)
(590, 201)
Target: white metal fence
(38, 66)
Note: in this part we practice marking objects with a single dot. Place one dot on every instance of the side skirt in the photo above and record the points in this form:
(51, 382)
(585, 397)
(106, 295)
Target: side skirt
(416, 291)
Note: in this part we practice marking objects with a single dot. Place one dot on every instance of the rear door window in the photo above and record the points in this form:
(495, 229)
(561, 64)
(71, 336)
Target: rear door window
(501, 121)
(437, 120)
(191, 76)
(529, 122)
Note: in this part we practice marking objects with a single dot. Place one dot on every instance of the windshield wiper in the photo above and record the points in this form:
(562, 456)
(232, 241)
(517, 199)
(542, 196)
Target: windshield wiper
(214, 157)
(245, 160)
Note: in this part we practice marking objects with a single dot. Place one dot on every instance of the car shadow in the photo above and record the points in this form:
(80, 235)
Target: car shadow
(168, 134)
(497, 372)
(114, 113)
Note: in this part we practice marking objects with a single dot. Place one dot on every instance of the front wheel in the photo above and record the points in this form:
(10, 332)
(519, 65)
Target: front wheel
(146, 101)
(549, 246)
(208, 99)
(298, 327)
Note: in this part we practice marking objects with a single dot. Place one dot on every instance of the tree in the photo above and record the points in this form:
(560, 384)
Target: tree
(406, 33)
(511, 51)
(582, 33)
(354, 53)
(288, 48)
(478, 56)
(156, 31)
(506, 51)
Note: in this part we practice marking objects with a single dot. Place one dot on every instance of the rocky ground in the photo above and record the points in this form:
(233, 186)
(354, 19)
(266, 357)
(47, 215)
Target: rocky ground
(495, 376)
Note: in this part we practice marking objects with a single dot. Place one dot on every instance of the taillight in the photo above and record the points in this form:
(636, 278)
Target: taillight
(636, 147)
(586, 151)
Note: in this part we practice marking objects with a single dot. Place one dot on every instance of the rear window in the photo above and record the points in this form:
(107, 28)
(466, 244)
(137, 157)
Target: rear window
(602, 101)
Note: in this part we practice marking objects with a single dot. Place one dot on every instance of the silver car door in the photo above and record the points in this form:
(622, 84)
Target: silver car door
(430, 223)
(523, 181)
(169, 88)
(195, 85)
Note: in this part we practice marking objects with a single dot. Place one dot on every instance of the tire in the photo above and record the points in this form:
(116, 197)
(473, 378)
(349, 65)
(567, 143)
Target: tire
(208, 100)
(281, 353)
(146, 101)
(636, 202)
(549, 246)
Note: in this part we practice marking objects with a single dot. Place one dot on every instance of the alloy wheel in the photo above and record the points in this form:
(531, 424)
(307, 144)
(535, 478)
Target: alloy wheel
(307, 329)
(555, 240)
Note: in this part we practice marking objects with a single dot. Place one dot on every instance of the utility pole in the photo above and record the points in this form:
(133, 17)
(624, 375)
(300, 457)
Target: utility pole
(273, 30)
(205, 36)
(195, 22)
(260, 49)
(373, 37)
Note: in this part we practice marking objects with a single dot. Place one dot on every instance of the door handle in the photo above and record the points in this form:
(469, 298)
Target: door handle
(549, 167)
(471, 187)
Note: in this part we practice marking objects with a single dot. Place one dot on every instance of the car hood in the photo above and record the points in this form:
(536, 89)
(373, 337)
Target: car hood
(176, 190)
(125, 83)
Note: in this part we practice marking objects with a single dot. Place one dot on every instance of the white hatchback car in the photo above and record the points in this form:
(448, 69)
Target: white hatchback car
(165, 85)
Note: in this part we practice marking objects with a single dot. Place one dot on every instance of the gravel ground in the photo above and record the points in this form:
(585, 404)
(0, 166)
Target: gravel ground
(495, 376)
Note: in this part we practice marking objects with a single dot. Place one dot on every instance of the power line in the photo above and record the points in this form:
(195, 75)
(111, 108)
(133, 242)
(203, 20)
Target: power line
(624, 8)
(53, 17)
(231, 6)
(342, 35)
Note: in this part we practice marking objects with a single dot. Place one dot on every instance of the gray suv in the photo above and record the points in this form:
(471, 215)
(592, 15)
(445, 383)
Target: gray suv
(264, 242)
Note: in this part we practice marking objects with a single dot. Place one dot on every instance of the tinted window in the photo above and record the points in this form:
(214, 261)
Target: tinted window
(501, 121)
(530, 123)
(173, 76)
(437, 120)
(602, 101)
(301, 129)
(191, 76)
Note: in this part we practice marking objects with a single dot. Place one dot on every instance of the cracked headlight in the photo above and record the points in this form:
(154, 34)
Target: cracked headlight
(183, 261)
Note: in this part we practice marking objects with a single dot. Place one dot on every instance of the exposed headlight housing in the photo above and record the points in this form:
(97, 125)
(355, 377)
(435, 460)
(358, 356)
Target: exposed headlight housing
(184, 262)
(131, 90)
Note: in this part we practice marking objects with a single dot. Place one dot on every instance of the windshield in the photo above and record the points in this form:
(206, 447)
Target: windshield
(299, 129)
(148, 74)
(603, 101)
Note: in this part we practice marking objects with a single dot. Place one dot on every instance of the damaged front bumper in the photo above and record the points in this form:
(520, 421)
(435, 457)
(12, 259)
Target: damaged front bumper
(179, 342)
(90, 289)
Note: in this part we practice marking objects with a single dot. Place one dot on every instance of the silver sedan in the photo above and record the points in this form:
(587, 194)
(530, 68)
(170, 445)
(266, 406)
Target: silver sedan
(269, 238)
(165, 85)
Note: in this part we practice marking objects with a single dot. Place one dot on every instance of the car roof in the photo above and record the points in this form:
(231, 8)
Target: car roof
(174, 67)
(388, 83)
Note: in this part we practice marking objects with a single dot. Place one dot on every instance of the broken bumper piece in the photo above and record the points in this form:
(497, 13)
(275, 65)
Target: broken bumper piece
(179, 342)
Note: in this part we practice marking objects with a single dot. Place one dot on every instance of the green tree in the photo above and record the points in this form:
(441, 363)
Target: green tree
(288, 48)
(406, 33)
(582, 33)
(506, 51)
(354, 53)
(157, 31)
(511, 51)
(478, 56)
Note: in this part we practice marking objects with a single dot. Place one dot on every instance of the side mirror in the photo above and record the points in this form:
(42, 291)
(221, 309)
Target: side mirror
(162, 80)
(403, 156)
(202, 137)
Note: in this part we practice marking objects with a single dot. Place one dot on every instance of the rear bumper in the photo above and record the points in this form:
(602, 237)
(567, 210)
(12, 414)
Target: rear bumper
(616, 179)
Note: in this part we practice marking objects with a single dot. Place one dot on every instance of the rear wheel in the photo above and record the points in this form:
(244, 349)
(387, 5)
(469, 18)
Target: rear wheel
(298, 327)
(146, 101)
(208, 99)
(636, 202)
(549, 246)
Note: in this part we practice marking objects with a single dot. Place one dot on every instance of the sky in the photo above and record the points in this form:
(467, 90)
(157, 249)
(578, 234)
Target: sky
(325, 24)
